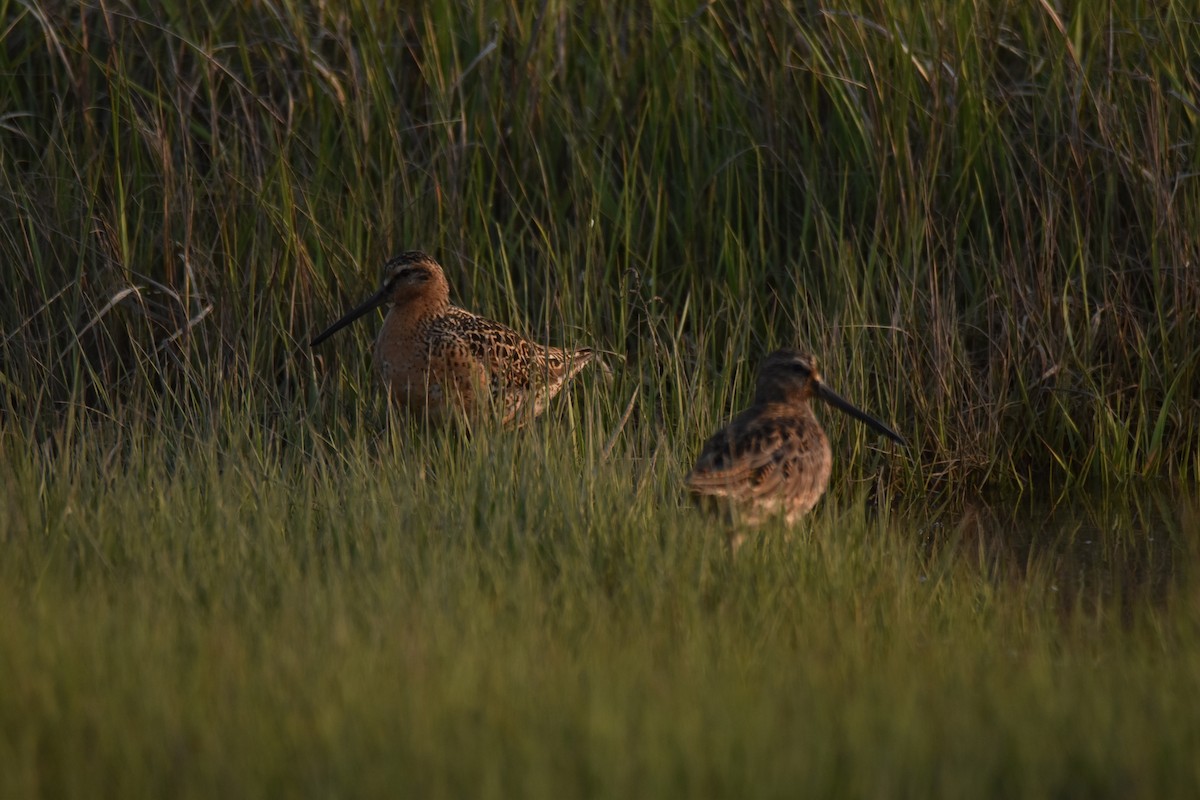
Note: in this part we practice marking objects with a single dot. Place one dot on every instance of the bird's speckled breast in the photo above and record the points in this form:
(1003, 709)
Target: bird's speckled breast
(810, 470)
(422, 373)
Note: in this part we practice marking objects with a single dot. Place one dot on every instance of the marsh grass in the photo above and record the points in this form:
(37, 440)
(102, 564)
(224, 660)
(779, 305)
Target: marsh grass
(228, 567)
(507, 616)
(981, 218)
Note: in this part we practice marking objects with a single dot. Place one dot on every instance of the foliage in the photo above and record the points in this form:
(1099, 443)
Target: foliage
(228, 567)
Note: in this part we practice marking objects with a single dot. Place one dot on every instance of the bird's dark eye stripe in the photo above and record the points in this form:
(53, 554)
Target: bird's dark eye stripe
(410, 272)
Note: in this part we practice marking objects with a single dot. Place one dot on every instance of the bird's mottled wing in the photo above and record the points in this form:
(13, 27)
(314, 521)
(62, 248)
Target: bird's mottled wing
(755, 456)
(521, 374)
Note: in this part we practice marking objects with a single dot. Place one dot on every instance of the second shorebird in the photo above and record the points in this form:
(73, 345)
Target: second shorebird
(773, 459)
(439, 361)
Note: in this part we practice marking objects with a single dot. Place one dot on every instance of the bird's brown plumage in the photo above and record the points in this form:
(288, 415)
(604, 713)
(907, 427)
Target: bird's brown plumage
(772, 459)
(440, 361)
(767, 460)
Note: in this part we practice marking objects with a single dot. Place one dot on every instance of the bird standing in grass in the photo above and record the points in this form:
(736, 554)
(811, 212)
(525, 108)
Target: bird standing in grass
(773, 458)
(440, 361)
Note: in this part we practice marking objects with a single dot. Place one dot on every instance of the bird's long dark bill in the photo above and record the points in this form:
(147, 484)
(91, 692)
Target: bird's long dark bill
(842, 404)
(371, 303)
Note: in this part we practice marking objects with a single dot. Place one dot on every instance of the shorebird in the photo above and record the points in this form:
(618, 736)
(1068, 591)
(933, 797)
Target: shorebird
(438, 360)
(772, 459)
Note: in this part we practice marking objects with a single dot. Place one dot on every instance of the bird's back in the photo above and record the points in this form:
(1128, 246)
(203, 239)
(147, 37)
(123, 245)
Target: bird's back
(520, 376)
(771, 459)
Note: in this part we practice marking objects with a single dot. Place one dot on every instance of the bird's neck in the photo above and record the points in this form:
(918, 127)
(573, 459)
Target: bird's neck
(415, 310)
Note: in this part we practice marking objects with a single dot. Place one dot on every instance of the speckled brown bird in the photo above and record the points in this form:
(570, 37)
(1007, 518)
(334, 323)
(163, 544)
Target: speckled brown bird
(439, 361)
(773, 458)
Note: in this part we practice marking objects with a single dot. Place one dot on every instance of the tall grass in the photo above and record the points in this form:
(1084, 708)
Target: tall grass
(229, 567)
(982, 218)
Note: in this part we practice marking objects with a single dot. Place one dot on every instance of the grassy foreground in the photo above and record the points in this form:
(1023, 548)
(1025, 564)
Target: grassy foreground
(521, 619)
(224, 569)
